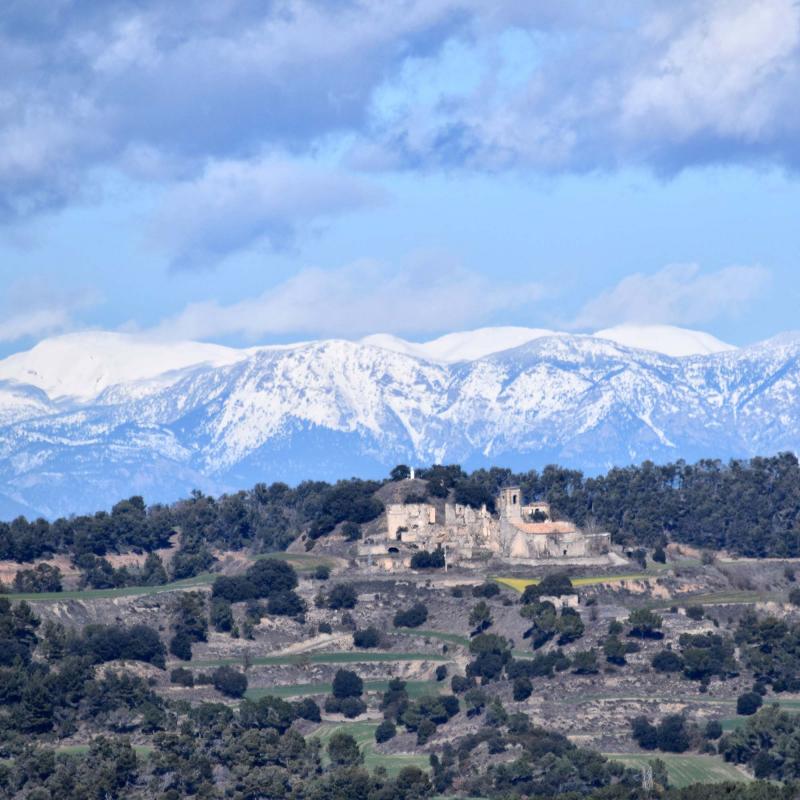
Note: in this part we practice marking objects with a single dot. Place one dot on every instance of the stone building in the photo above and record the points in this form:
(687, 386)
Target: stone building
(516, 532)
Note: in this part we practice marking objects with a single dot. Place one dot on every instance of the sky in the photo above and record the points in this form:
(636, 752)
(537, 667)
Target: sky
(253, 171)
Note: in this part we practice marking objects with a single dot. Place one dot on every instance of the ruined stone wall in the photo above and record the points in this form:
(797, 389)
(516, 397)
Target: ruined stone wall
(412, 521)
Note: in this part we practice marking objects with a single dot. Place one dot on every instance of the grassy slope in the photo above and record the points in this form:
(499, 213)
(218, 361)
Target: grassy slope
(685, 769)
(364, 734)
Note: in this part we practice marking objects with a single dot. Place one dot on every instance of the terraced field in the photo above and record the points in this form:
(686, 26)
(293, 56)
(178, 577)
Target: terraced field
(364, 734)
(204, 579)
(302, 562)
(346, 657)
(519, 584)
(685, 769)
(719, 598)
(414, 689)
(450, 638)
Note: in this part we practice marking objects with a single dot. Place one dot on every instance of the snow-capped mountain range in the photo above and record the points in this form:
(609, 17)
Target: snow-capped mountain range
(88, 418)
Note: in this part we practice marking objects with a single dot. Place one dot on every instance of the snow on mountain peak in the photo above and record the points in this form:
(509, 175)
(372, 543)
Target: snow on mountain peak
(666, 339)
(461, 346)
(81, 365)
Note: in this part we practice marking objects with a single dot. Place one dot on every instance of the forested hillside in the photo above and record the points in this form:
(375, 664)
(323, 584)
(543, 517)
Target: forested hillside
(749, 508)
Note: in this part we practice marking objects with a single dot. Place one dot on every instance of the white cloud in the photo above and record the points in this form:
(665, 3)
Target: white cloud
(357, 299)
(679, 294)
(236, 203)
(726, 71)
(34, 307)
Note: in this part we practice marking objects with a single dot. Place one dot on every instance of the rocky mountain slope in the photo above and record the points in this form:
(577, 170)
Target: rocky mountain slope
(160, 423)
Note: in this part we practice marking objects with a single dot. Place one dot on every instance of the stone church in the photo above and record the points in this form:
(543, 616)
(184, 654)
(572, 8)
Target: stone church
(516, 532)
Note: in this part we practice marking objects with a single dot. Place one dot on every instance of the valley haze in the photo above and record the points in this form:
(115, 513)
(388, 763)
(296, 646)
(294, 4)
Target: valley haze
(86, 418)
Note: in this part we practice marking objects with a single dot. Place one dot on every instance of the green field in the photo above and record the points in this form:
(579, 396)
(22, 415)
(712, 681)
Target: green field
(348, 657)
(414, 689)
(302, 562)
(205, 579)
(364, 734)
(685, 769)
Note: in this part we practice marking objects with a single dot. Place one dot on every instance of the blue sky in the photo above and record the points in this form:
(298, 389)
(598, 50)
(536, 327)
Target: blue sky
(250, 172)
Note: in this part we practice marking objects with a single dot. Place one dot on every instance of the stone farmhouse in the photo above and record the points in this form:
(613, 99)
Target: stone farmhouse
(516, 533)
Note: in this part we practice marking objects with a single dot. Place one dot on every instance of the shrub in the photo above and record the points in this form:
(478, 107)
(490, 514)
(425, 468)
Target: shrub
(672, 735)
(233, 589)
(614, 651)
(229, 681)
(42, 578)
(322, 572)
(569, 626)
(713, 729)
(667, 661)
(351, 531)
(556, 584)
(286, 604)
(270, 576)
(110, 642)
(324, 627)
(584, 662)
(487, 590)
(343, 750)
(659, 555)
(644, 623)
(400, 473)
(748, 703)
(352, 707)
(346, 683)
(181, 676)
(423, 559)
(523, 689)
(459, 684)
(221, 614)
(411, 618)
(366, 638)
(441, 672)
(307, 709)
(181, 646)
(343, 595)
(385, 731)
(695, 612)
(644, 733)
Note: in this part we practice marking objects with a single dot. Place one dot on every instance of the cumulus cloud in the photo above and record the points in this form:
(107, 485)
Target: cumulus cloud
(160, 89)
(235, 203)
(360, 298)
(664, 86)
(679, 294)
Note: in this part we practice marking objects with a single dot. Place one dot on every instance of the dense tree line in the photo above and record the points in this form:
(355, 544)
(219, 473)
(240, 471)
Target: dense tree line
(749, 507)
(266, 518)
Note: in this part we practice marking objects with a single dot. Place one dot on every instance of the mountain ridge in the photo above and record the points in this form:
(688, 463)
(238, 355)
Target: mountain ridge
(334, 408)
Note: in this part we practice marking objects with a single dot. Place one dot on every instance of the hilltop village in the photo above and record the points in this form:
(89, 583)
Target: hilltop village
(516, 532)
